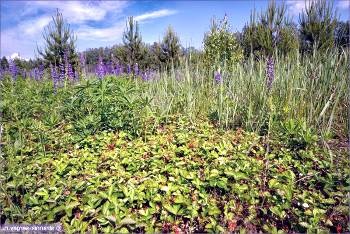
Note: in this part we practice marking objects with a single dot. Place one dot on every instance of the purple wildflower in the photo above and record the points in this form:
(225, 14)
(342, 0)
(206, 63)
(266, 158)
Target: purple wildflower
(270, 72)
(41, 71)
(136, 69)
(121, 69)
(115, 69)
(100, 71)
(147, 75)
(62, 74)
(217, 76)
(36, 73)
(70, 72)
(13, 69)
(109, 68)
(128, 69)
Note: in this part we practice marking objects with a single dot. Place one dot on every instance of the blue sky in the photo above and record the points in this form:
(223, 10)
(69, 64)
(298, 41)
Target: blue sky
(101, 23)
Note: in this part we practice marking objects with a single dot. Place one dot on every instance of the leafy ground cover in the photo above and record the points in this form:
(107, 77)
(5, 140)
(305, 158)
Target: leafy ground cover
(182, 176)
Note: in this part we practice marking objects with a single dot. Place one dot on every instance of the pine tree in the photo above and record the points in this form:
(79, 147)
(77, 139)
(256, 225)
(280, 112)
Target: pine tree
(170, 47)
(269, 31)
(317, 25)
(132, 42)
(59, 39)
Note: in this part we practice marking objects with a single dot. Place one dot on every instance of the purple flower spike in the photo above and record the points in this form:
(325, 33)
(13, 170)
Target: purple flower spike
(136, 69)
(147, 75)
(116, 68)
(128, 69)
(217, 76)
(62, 72)
(40, 72)
(13, 69)
(70, 72)
(270, 72)
(100, 71)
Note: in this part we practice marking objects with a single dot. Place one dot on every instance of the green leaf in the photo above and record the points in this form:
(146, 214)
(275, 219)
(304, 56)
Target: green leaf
(174, 209)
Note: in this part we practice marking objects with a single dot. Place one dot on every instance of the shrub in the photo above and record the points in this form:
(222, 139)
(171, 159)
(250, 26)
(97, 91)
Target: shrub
(221, 47)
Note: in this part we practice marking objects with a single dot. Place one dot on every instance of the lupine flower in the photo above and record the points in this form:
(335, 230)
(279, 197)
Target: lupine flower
(13, 69)
(41, 71)
(62, 74)
(270, 72)
(68, 67)
(121, 69)
(147, 75)
(217, 76)
(136, 69)
(128, 69)
(53, 72)
(115, 69)
(100, 71)
(70, 72)
(109, 68)
(36, 73)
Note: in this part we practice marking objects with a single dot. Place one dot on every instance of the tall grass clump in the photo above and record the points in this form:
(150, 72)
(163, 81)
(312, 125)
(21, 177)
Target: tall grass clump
(311, 90)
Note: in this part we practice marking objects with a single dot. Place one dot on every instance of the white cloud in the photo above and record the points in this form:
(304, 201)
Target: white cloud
(32, 27)
(81, 11)
(105, 34)
(154, 14)
(115, 32)
(296, 7)
(344, 4)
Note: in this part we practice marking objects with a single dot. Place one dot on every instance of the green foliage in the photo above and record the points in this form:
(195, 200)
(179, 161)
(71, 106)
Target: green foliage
(106, 104)
(317, 25)
(58, 38)
(221, 47)
(270, 31)
(132, 42)
(179, 171)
